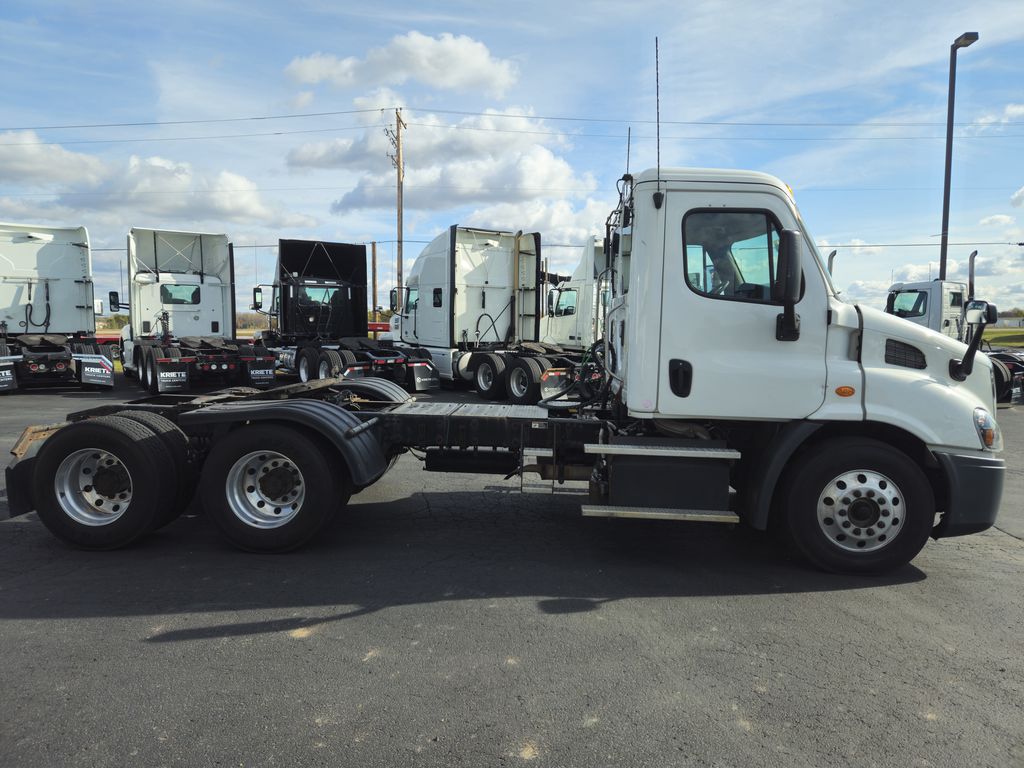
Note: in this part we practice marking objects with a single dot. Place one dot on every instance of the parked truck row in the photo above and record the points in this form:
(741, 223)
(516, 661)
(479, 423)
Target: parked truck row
(734, 386)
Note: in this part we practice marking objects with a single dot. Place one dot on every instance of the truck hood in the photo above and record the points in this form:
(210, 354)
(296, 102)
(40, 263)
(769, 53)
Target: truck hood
(912, 333)
(932, 375)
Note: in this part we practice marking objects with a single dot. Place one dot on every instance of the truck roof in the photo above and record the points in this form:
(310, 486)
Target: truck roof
(716, 175)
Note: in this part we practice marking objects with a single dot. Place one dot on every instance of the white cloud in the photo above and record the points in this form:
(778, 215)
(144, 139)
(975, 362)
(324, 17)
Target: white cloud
(161, 192)
(429, 141)
(1017, 199)
(532, 173)
(447, 62)
(997, 220)
(26, 159)
(1010, 113)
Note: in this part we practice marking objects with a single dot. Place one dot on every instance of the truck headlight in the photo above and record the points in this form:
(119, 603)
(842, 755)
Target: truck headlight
(988, 430)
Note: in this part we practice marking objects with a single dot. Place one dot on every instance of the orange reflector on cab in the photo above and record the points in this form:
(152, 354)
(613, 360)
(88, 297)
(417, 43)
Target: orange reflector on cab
(845, 391)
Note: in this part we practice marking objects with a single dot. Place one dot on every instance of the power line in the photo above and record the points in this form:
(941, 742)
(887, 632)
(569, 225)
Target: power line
(911, 245)
(189, 122)
(497, 115)
(616, 137)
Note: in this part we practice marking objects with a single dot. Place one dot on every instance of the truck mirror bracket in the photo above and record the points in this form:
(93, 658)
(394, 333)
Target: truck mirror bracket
(787, 325)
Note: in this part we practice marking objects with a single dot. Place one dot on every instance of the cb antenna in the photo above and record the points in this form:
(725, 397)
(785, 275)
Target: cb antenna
(659, 196)
(629, 141)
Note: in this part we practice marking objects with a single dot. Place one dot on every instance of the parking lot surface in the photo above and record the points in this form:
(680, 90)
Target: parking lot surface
(449, 620)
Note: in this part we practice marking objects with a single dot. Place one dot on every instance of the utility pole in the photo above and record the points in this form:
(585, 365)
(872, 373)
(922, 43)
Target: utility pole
(373, 261)
(397, 160)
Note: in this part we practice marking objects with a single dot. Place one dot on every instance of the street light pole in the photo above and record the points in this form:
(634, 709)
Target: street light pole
(961, 42)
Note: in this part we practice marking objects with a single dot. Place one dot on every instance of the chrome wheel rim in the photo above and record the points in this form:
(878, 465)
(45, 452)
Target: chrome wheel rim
(93, 487)
(325, 370)
(265, 489)
(304, 369)
(861, 511)
(518, 382)
(484, 377)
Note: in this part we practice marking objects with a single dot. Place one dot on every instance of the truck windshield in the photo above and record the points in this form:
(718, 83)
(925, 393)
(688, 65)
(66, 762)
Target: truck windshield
(179, 294)
(910, 304)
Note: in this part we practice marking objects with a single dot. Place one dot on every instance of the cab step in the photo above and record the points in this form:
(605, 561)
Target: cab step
(669, 451)
(660, 513)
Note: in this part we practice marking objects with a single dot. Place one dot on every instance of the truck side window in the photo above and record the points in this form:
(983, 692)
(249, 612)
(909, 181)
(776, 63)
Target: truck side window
(566, 302)
(731, 253)
(437, 297)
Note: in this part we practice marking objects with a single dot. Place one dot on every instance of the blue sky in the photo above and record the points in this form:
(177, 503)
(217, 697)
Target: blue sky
(264, 121)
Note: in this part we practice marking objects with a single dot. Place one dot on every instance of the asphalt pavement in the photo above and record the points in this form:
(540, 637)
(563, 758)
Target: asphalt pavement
(450, 620)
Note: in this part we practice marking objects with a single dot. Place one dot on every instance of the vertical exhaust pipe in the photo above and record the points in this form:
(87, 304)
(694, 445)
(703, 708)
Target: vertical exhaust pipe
(970, 275)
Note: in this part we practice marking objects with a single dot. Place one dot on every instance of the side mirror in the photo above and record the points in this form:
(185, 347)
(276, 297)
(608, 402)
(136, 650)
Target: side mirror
(394, 299)
(788, 282)
(114, 301)
(257, 298)
(979, 313)
(788, 272)
(552, 298)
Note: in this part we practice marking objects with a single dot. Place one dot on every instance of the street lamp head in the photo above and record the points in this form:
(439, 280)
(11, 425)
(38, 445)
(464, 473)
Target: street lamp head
(965, 39)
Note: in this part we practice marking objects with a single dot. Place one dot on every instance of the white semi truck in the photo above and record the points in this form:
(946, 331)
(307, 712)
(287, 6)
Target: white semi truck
(47, 310)
(743, 389)
(182, 314)
(480, 303)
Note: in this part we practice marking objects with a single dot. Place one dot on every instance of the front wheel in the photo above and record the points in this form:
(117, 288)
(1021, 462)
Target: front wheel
(858, 505)
(270, 488)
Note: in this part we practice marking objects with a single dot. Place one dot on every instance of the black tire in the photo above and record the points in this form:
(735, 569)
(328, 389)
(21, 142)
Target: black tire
(4, 351)
(139, 478)
(522, 381)
(329, 365)
(348, 357)
(152, 370)
(306, 363)
(489, 377)
(173, 353)
(176, 443)
(874, 489)
(246, 514)
(544, 363)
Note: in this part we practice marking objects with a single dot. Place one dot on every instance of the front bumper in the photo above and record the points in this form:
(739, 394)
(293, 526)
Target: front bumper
(975, 488)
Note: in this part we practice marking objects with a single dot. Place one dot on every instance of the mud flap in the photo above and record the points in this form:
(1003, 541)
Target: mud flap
(172, 376)
(8, 378)
(258, 372)
(96, 370)
(422, 376)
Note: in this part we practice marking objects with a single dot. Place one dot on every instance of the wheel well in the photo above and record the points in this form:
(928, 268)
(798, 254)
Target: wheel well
(898, 438)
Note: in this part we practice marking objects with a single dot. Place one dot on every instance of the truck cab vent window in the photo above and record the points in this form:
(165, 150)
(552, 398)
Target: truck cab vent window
(898, 353)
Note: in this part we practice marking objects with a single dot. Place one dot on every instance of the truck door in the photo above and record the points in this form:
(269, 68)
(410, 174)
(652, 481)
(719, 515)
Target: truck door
(719, 355)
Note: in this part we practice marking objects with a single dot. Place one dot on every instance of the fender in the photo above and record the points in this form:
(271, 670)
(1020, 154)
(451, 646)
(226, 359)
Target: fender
(376, 388)
(765, 475)
(360, 449)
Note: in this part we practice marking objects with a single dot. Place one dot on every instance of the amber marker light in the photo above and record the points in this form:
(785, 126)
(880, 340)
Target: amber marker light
(845, 391)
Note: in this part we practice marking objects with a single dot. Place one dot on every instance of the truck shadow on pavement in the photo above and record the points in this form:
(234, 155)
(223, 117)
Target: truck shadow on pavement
(378, 554)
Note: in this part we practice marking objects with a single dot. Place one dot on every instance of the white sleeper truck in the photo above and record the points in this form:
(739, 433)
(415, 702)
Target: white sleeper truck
(477, 301)
(742, 389)
(182, 314)
(47, 310)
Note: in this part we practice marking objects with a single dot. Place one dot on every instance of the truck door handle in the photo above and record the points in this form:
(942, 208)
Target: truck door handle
(680, 377)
